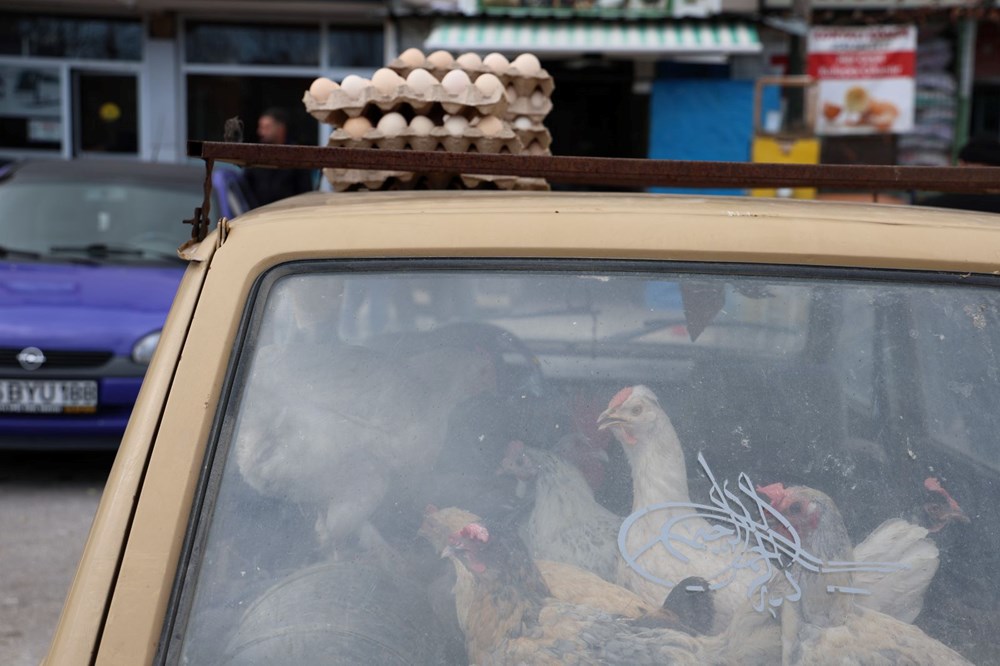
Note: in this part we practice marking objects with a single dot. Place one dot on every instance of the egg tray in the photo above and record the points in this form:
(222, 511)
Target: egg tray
(340, 106)
(471, 139)
(522, 106)
(353, 180)
(536, 135)
(524, 84)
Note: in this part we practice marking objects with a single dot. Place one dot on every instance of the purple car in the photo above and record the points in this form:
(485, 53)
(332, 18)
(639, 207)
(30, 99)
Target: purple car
(88, 270)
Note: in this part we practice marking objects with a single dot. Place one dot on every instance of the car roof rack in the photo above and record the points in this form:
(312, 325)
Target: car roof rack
(595, 171)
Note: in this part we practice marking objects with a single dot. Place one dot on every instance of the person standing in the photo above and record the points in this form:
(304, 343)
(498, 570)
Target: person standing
(264, 185)
(979, 151)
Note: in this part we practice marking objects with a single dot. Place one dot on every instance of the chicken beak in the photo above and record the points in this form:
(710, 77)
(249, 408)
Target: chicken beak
(448, 552)
(608, 419)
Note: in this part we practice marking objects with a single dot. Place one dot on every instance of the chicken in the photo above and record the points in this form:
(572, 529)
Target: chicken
(512, 618)
(566, 523)
(940, 507)
(340, 428)
(565, 581)
(659, 475)
(899, 593)
(826, 626)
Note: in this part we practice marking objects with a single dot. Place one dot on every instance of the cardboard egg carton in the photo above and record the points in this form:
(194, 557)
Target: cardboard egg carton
(536, 140)
(353, 180)
(340, 106)
(525, 106)
(472, 138)
(524, 84)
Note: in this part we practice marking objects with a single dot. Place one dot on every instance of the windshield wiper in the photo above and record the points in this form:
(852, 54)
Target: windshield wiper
(99, 250)
(14, 253)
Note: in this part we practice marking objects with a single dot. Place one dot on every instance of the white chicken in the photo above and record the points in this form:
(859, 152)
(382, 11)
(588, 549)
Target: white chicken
(566, 523)
(826, 626)
(338, 428)
(659, 475)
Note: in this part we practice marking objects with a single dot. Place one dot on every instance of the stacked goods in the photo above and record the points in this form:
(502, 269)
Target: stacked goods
(417, 104)
(528, 87)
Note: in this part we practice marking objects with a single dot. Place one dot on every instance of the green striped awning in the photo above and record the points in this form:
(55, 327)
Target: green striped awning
(611, 37)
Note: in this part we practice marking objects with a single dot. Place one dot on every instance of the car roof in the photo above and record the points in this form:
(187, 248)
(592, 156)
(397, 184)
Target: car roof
(110, 171)
(636, 226)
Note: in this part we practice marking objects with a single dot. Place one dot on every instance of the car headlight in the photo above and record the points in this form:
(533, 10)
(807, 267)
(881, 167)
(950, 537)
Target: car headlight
(143, 350)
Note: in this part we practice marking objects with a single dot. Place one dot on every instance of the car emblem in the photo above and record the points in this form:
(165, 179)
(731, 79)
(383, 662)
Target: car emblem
(31, 358)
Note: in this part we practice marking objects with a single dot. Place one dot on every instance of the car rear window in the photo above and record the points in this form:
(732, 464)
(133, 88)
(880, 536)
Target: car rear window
(426, 463)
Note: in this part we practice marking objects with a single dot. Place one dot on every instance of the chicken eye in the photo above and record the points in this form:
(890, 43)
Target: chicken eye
(795, 509)
(637, 410)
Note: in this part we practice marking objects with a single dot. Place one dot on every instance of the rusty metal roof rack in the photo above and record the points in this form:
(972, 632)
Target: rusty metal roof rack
(618, 172)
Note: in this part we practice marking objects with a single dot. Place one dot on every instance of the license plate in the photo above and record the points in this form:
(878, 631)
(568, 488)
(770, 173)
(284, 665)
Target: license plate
(48, 396)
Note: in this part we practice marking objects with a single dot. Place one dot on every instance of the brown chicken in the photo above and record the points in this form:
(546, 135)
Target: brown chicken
(659, 474)
(565, 582)
(826, 626)
(513, 618)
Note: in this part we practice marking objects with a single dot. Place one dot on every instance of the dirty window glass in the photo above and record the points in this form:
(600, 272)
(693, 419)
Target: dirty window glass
(622, 467)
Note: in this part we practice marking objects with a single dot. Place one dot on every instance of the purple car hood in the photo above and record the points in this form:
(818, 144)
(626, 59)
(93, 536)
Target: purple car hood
(81, 306)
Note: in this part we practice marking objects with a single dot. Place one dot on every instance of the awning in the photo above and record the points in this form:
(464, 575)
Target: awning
(515, 36)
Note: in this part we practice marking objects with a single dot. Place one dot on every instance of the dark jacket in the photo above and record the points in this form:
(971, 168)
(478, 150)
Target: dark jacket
(986, 203)
(264, 186)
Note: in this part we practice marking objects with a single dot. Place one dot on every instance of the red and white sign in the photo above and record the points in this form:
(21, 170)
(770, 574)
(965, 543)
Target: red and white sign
(866, 78)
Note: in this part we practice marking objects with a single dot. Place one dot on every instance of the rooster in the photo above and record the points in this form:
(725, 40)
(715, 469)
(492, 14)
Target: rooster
(566, 523)
(659, 475)
(338, 429)
(830, 628)
(513, 619)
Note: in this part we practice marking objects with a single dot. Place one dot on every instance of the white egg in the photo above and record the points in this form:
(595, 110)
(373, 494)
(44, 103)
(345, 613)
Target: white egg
(413, 57)
(321, 88)
(488, 84)
(392, 124)
(490, 125)
(421, 125)
(523, 123)
(496, 62)
(420, 81)
(469, 61)
(537, 99)
(357, 127)
(441, 59)
(527, 64)
(456, 82)
(354, 85)
(386, 81)
(455, 125)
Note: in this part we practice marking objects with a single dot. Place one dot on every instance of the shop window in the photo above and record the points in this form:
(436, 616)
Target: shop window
(70, 37)
(250, 44)
(106, 113)
(29, 108)
(356, 47)
(214, 98)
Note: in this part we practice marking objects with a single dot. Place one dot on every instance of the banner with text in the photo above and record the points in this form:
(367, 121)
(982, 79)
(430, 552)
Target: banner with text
(865, 77)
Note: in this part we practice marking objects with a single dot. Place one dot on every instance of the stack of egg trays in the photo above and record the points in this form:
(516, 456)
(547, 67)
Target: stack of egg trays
(528, 96)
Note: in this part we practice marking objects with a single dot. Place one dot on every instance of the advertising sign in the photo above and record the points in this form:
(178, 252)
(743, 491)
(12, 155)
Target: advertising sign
(865, 77)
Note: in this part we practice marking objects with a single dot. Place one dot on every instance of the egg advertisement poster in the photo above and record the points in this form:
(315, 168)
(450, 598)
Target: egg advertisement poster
(866, 78)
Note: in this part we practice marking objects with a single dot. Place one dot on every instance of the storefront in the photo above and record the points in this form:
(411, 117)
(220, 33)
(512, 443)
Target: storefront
(140, 84)
(607, 60)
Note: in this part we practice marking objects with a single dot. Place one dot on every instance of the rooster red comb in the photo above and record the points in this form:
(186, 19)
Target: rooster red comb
(476, 531)
(775, 493)
(620, 397)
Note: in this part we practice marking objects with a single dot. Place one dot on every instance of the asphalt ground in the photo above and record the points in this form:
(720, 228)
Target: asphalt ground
(47, 504)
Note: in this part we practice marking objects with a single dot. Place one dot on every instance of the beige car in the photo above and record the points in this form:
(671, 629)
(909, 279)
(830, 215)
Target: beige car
(784, 412)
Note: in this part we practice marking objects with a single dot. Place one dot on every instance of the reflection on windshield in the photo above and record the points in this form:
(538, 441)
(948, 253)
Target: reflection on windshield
(499, 468)
(97, 221)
